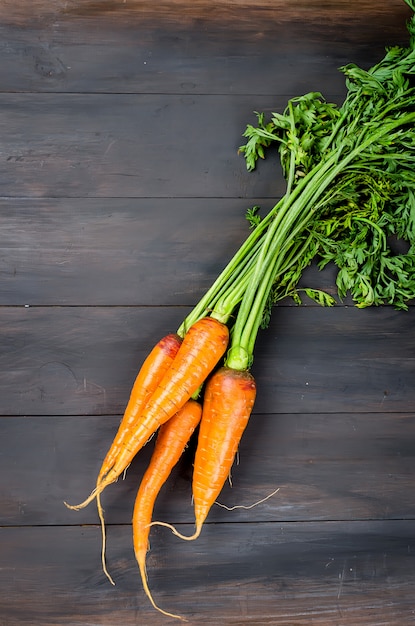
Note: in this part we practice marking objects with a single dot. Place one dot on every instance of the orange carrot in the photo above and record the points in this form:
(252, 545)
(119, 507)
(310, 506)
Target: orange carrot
(203, 346)
(171, 440)
(149, 376)
(227, 404)
(151, 372)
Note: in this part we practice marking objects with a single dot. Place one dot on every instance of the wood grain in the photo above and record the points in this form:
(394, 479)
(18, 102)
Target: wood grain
(326, 466)
(83, 360)
(106, 252)
(200, 47)
(329, 573)
(84, 251)
(108, 145)
(77, 58)
(222, 11)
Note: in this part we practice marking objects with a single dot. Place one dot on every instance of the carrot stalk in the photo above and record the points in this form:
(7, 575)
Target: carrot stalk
(203, 346)
(172, 438)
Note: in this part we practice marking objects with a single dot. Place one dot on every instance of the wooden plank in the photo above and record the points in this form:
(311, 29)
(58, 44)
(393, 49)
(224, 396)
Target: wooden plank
(112, 145)
(117, 252)
(340, 360)
(326, 573)
(83, 360)
(326, 467)
(141, 252)
(176, 47)
(175, 12)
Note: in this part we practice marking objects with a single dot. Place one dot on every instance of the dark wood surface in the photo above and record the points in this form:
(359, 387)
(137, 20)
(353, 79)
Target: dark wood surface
(122, 197)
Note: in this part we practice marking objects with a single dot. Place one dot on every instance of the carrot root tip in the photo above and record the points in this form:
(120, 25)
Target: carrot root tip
(176, 532)
(73, 507)
(247, 506)
(143, 573)
(82, 505)
(104, 540)
(108, 575)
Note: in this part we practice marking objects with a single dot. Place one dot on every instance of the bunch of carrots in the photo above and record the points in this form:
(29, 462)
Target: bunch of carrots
(164, 398)
(350, 190)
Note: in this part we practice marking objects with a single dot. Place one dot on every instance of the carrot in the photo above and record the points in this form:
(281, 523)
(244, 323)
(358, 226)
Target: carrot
(150, 374)
(171, 440)
(227, 405)
(203, 346)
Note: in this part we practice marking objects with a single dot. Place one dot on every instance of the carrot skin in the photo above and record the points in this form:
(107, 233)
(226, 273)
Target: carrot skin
(228, 402)
(202, 348)
(151, 372)
(149, 376)
(172, 438)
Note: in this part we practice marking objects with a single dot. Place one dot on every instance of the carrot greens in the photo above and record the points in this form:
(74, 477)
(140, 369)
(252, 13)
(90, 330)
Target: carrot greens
(350, 173)
(350, 196)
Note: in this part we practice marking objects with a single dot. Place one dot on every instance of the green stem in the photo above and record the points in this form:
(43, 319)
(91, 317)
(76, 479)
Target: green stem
(222, 297)
(276, 237)
(236, 265)
(294, 214)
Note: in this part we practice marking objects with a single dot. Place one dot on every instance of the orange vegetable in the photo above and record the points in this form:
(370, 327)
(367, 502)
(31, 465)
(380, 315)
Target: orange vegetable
(203, 346)
(171, 440)
(227, 405)
(151, 372)
(149, 376)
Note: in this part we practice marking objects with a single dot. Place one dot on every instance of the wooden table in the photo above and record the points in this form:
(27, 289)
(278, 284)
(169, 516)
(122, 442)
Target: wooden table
(122, 197)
